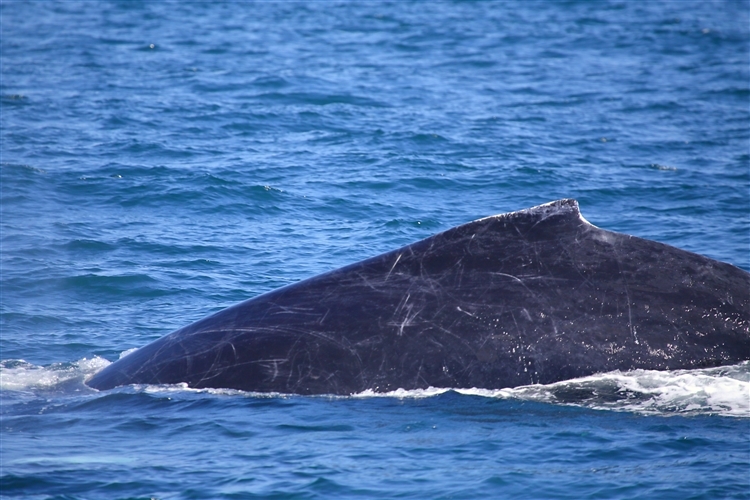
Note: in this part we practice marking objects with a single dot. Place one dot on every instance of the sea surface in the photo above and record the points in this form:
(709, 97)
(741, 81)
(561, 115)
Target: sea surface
(160, 161)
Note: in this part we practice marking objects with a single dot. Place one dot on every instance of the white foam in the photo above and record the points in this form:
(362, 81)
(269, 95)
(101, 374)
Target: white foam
(721, 391)
(171, 389)
(403, 393)
(18, 375)
(127, 352)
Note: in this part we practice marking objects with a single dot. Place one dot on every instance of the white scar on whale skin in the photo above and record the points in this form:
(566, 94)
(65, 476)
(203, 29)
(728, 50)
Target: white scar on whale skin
(392, 267)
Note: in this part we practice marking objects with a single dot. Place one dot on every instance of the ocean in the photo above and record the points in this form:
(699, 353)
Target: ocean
(160, 161)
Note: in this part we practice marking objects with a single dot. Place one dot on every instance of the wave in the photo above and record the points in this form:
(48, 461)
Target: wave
(722, 391)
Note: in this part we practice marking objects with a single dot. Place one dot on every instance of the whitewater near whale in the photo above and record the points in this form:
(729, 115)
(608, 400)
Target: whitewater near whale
(534, 296)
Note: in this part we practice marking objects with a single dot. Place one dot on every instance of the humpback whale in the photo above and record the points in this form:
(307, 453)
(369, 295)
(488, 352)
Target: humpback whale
(534, 296)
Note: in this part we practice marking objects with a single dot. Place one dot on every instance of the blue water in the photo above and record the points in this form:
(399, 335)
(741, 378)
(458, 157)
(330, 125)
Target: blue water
(163, 160)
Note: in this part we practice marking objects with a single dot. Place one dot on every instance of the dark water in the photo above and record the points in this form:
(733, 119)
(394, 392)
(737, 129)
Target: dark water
(163, 160)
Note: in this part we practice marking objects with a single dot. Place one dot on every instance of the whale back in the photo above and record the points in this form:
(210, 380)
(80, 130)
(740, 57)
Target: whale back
(534, 296)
